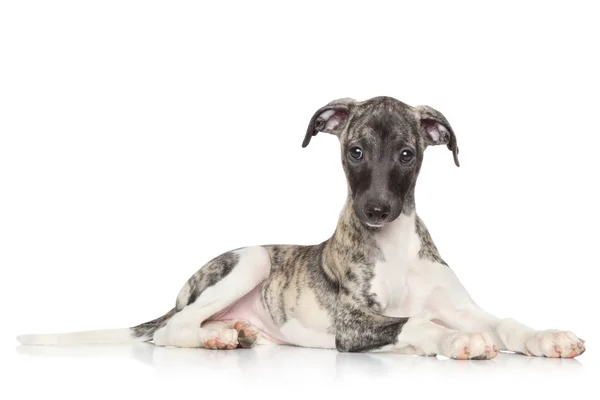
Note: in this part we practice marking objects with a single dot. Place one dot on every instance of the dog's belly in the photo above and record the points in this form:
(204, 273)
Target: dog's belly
(250, 308)
(307, 324)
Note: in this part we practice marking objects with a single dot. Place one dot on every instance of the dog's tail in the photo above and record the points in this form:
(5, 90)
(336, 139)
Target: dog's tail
(139, 333)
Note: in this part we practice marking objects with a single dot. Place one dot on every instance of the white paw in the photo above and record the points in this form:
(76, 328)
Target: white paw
(554, 344)
(247, 335)
(192, 337)
(468, 346)
(222, 339)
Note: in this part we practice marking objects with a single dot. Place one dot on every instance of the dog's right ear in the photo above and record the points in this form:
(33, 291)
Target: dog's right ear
(437, 129)
(331, 119)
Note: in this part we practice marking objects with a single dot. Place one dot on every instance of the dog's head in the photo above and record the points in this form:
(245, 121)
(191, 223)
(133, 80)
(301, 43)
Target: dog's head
(382, 142)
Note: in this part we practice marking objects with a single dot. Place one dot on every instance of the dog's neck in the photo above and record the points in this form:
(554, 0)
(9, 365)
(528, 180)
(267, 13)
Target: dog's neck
(351, 232)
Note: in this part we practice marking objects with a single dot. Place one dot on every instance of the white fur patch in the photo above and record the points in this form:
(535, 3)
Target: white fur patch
(429, 338)
(396, 240)
(298, 334)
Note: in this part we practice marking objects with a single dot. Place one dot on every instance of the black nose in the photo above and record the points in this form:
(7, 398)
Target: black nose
(377, 212)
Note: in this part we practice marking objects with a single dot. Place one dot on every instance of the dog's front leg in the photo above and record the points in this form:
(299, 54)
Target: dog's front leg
(508, 334)
(452, 305)
(359, 329)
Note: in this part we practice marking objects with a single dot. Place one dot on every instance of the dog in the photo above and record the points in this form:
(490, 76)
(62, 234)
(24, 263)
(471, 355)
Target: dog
(378, 284)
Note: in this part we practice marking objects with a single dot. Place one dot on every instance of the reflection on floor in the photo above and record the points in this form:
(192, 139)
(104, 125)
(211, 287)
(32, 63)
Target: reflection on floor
(270, 358)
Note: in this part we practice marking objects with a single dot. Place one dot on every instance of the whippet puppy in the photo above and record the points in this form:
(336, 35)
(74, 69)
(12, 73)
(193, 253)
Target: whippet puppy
(378, 284)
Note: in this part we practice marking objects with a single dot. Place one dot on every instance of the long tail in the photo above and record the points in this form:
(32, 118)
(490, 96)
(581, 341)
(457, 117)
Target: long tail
(139, 333)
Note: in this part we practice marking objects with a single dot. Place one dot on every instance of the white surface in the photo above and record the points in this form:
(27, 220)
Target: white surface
(147, 371)
(138, 140)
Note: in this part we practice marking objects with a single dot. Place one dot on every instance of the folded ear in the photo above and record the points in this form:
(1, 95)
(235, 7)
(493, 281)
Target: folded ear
(437, 130)
(331, 118)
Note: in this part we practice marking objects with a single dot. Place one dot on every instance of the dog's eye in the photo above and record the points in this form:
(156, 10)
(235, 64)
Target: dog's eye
(406, 156)
(356, 153)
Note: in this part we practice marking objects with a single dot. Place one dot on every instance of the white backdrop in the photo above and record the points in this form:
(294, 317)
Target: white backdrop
(139, 139)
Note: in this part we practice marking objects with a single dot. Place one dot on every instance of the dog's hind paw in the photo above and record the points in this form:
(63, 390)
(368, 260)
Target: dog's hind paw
(247, 334)
(223, 339)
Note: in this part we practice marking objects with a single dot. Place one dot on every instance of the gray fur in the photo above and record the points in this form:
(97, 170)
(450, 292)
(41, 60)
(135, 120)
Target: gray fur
(382, 127)
(211, 273)
(428, 249)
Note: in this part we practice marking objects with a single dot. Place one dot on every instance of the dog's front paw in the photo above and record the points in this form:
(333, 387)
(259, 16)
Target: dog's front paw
(554, 344)
(468, 346)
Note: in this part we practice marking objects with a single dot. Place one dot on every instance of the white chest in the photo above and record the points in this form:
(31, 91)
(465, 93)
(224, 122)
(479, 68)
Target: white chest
(399, 283)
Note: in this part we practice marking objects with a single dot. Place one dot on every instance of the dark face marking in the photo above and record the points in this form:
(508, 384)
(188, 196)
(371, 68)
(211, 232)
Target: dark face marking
(381, 181)
(382, 141)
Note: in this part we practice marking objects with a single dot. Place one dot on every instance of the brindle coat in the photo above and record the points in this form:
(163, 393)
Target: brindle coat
(339, 271)
(373, 285)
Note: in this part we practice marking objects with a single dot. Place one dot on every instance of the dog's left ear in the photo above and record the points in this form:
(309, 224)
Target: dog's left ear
(331, 118)
(437, 130)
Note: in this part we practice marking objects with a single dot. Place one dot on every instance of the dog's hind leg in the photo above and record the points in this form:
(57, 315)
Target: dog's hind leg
(215, 287)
